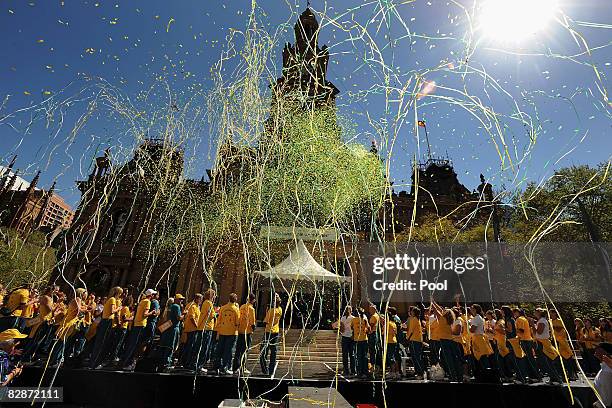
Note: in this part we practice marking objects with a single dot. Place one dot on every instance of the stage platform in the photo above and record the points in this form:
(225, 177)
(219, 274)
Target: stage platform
(105, 388)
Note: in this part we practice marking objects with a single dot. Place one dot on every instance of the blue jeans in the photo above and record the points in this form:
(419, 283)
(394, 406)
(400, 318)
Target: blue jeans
(362, 357)
(270, 343)
(243, 343)
(131, 345)
(102, 335)
(36, 342)
(201, 349)
(167, 343)
(348, 355)
(416, 352)
(225, 352)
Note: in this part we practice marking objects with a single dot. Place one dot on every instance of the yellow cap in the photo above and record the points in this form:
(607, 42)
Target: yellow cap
(179, 296)
(11, 334)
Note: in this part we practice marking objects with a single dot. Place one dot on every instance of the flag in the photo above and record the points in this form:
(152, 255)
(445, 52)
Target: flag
(421, 123)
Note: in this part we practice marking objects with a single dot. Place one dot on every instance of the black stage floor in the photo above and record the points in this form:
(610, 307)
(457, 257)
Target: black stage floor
(102, 388)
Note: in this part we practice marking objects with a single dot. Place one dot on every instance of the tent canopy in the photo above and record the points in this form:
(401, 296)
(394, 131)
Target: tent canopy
(300, 265)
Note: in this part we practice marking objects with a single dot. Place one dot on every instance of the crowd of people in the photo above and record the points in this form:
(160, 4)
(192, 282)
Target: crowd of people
(464, 343)
(116, 331)
(457, 343)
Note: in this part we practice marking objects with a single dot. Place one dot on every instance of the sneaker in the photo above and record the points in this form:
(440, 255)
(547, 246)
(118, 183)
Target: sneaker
(203, 370)
(228, 372)
(246, 372)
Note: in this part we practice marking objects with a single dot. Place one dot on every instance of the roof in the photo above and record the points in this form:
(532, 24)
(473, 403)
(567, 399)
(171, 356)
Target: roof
(300, 265)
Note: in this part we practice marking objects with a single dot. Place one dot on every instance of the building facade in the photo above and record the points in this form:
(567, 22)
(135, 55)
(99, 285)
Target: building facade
(110, 242)
(30, 208)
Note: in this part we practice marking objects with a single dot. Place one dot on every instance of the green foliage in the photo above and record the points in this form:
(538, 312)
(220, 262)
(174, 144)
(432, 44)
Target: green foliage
(562, 208)
(24, 259)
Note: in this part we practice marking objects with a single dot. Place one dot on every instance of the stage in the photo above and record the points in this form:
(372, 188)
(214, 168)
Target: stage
(104, 388)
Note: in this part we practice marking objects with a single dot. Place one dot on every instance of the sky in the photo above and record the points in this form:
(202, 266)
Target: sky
(546, 92)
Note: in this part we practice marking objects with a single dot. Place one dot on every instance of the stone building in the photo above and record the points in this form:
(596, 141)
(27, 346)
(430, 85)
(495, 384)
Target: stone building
(110, 242)
(27, 209)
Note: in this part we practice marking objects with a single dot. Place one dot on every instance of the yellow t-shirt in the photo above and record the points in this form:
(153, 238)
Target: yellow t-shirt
(591, 337)
(444, 329)
(391, 332)
(207, 316)
(125, 314)
(373, 321)
(360, 329)
(247, 319)
(193, 315)
(16, 299)
(140, 320)
(272, 320)
(415, 330)
(229, 319)
(433, 329)
(523, 323)
(107, 312)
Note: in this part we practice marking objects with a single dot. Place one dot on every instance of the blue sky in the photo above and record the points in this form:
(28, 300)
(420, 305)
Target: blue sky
(377, 47)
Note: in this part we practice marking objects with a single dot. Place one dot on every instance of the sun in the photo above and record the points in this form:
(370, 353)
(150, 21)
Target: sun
(515, 20)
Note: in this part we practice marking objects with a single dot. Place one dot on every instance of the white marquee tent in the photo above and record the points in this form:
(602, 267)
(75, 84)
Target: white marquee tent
(300, 265)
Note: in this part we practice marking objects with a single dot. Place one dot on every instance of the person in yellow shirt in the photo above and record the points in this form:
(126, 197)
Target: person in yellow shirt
(227, 329)
(591, 337)
(125, 316)
(102, 339)
(390, 337)
(480, 345)
(245, 332)
(374, 338)
(414, 335)
(67, 327)
(360, 328)
(270, 342)
(562, 343)
(15, 308)
(136, 335)
(448, 329)
(204, 333)
(190, 327)
(433, 338)
(40, 329)
(524, 334)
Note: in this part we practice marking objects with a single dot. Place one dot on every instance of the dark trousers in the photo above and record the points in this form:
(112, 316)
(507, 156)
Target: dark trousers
(548, 365)
(131, 345)
(100, 342)
(225, 352)
(243, 343)
(532, 365)
(449, 352)
(434, 352)
(362, 357)
(348, 356)
(375, 350)
(12, 322)
(36, 342)
(269, 344)
(117, 342)
(78, 342)
(186, 355)
(416, 352)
